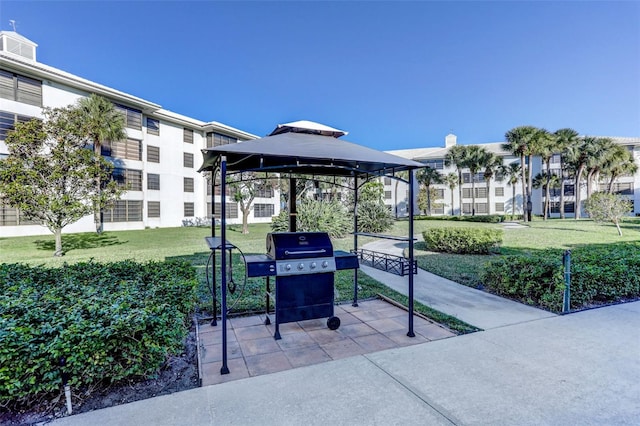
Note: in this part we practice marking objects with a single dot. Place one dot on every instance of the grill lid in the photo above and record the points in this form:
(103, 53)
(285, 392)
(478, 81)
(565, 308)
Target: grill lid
(298, 245)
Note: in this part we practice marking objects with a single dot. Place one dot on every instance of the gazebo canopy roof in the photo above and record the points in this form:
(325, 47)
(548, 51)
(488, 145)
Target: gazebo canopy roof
(304, 153)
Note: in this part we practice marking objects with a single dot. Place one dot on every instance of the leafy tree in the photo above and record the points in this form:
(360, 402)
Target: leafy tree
(50, 175)
(563, 138)
(452, 181)
(425, 200)
(457, 156)
(520, 142)
(100, 123)
(246, 187)
(373, 214)
(427, 177)
(603, 207)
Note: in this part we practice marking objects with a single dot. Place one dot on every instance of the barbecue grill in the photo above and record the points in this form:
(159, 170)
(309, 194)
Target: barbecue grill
(303, 264)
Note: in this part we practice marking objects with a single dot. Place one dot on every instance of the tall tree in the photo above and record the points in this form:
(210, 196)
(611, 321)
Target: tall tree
(474, 162)
(546, 180)
(513, 173)
(520, 142)
(546, 148)
(603, 151)
(457, 156)
(563, 138)
(100, 123)
(428, 177)
(620, 162)
(492, 165)
(246, 186)
(452, 181)
(576, 157)
(49, 174)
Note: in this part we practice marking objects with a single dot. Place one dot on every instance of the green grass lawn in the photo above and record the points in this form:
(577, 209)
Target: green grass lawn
(188, 243)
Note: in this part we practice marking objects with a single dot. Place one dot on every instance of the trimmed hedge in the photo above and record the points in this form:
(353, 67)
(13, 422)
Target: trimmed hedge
(109, 321)
(462, 240)
(599, 275)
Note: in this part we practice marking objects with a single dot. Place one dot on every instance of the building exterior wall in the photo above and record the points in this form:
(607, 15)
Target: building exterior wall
(61, 89)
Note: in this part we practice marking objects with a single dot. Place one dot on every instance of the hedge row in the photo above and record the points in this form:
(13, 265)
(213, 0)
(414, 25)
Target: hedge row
(493, 218)
(599, 274)
(462, 240)
(109, 321)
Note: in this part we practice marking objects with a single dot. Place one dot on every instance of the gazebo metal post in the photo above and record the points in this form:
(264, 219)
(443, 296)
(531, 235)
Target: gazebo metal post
(214, 321)
(355, 238)
(293, 208)
(223, 266)
(410, 333)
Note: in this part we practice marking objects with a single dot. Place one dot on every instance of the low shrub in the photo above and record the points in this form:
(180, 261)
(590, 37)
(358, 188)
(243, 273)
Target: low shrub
(599, 274)
(108, 321)
(462, 240)
(313, 216)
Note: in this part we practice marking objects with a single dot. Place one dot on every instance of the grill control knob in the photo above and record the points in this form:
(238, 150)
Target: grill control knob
(325, 264)
(313, 265)
(301, 266)
(288, 267)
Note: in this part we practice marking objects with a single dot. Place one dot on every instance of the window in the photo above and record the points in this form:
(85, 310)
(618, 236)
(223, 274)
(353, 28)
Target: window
(153, 208)
(11, 216)
(387, 181)
(19, 88)
(436, 164)
(266, 192)
(153, 154)
(439, 194)
(132, 117)
(189, 210)
(555, 159)
(480, 193)
(480, 208)
(8, 121)
(187, 135)
(554, 192)
(153, 126)
(554, 207)
(153, 181)
(130, 149)
(499, 207)
(124, 211)
(499, 192)
(263, 210)
(128, 177)
(569, 190)
(217, 139)
(387, 195)
(569, 207)
(438, 209)
(187, 159)
(619, 188)
(231, 208)
(188, 184)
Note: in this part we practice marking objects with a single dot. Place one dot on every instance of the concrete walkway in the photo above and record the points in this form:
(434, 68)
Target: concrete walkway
(472, 306)
(582, 368)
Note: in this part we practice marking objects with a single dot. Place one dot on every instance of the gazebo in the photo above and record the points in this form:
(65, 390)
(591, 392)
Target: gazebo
(312, 149)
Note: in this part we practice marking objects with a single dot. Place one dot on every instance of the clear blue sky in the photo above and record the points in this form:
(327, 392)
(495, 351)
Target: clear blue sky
(394, 74)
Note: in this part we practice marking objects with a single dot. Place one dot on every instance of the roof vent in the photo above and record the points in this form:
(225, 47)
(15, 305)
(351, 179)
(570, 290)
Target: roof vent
(15, 44)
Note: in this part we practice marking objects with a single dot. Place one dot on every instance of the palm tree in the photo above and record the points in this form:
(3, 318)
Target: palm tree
(452, 181)
(457, 155)
(519, 143)
(513, 173)
(546, 147)
(474, 162)
(427, 177)
(404, 175)
(601, 151)
(619, 163)
(577, 157)
(492, 163)
(546, 181)
(564, 138)
(100, 123)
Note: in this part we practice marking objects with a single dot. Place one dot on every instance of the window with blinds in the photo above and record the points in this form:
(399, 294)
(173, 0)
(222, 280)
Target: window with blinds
(11, 216)
(132, 116)
(153, 181)
(8, 121)
(153, 208)
(187, 160)
(130, 178)
(263, 210)
(231, 208)
(499, 191)
(130, 149)
(189, 210)
(188, 184)
(124, 211)
(218, 139)
(153, 126)
(19, 88)
(499, 207)
(153, 154)
(187, 135)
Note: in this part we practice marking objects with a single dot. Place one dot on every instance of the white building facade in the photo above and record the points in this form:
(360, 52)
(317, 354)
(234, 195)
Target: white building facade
(504, 198)
(158, 161)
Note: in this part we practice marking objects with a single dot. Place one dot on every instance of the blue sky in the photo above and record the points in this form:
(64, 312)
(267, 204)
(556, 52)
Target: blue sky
(394, 74)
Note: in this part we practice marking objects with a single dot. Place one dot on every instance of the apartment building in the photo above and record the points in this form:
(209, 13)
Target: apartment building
(158, 160)
(500, 197)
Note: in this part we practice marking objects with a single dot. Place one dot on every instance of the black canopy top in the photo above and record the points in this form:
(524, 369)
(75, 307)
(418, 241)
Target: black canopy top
(305, 154)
